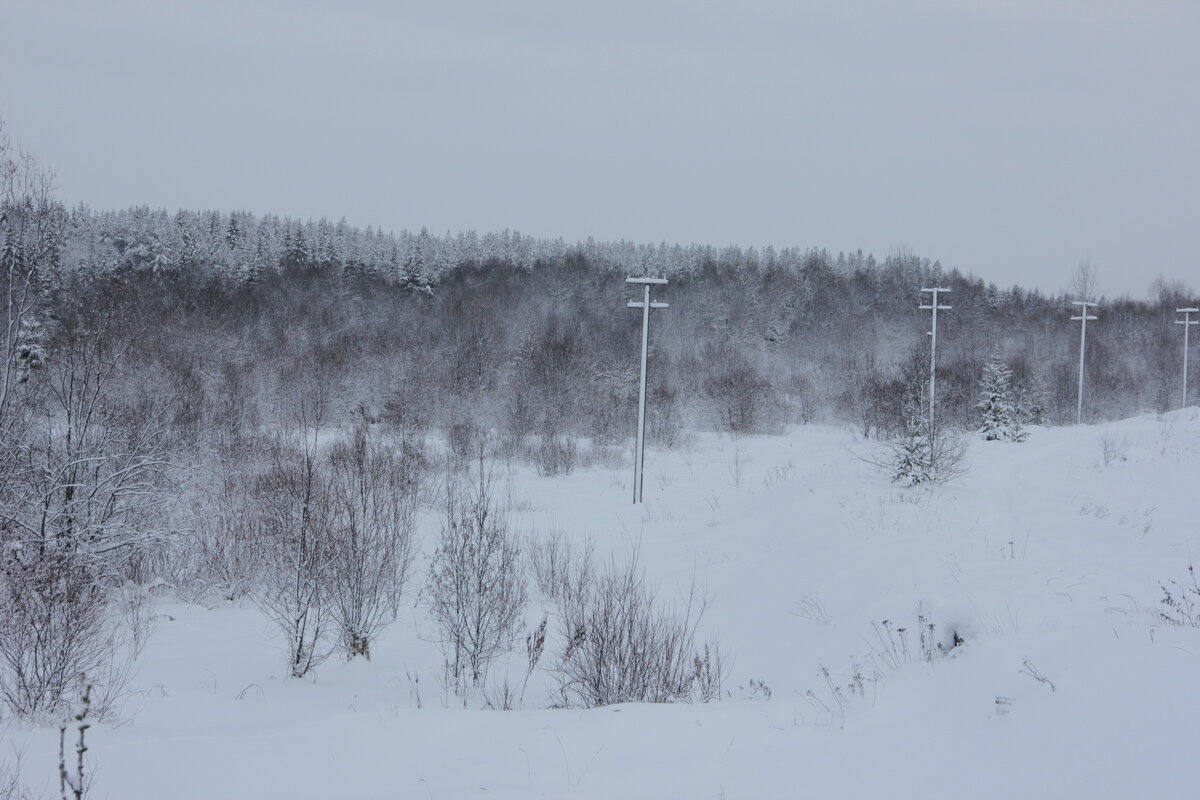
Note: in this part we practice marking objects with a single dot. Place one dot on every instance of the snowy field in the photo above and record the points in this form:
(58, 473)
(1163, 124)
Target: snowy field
(1043, 560)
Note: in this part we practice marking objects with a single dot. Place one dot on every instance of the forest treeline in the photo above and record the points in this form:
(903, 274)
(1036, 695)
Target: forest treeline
(530, 337)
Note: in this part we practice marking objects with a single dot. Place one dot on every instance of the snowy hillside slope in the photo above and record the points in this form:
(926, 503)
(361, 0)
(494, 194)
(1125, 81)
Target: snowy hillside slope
(1044, 561)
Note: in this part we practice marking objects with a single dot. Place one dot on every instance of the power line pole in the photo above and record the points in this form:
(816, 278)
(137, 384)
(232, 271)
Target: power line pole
(639, 457)
(934, 307)
(1187, 322)
(1083, 320)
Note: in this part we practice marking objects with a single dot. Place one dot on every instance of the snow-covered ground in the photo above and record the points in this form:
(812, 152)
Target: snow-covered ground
(1043, 559)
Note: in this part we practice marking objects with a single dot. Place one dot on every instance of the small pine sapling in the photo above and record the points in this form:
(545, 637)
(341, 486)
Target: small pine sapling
(912, 451)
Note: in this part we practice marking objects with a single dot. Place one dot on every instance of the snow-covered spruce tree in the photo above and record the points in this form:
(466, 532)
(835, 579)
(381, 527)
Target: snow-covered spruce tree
(912, 461)
(1000, 416)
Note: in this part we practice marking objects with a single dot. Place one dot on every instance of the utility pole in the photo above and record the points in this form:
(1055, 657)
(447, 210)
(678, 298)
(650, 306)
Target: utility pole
(934, 307)
(639, 457)
(1186, 322)
(1083, 320)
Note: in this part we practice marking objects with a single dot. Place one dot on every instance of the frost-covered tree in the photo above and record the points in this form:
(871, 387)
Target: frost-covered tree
(294, 520)
(1033, 402)
(1001, 419)
(476, 588)
(296, 254)
(374, 492)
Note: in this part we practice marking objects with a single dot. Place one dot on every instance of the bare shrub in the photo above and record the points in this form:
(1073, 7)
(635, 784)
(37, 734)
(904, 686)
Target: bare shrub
(892, 650)
(535, 645)
(405, 404)
(374, 490)
(518, 419)
(742, 398)
(223, 556)
(664, 415)
(558, 567)
(812, 608)
(865, 395)
(293, 520)
(476, 589)
(1181, 600)
(620, 644)
(54, 623)
(11, 786)
(1113, 449)
(464, 439)
(605, 456)
(554, 455)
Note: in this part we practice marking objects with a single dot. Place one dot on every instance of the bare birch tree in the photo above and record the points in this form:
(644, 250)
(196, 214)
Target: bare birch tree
(294, 517)
(374, 491)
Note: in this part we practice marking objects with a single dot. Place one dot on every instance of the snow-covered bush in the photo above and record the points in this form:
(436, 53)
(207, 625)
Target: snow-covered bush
(476, 589)
(619, 643)
(1001, 419)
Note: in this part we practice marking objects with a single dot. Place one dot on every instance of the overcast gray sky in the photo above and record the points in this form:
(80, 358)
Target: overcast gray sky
(1009, 139)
